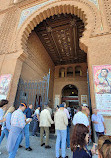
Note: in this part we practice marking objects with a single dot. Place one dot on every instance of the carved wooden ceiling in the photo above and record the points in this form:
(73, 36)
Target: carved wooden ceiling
(60, 36)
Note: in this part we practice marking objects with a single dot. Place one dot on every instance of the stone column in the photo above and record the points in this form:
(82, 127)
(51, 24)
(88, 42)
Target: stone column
(12, 64)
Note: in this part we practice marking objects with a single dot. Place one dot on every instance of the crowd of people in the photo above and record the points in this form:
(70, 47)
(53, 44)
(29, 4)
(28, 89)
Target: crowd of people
(14, 124)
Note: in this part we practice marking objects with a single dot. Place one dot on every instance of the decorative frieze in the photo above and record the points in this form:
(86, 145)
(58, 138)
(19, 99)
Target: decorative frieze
(27, 12)
(7, 30)
(107, 5)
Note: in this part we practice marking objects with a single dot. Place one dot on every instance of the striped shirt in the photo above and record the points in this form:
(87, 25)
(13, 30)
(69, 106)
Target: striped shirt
(18, 119)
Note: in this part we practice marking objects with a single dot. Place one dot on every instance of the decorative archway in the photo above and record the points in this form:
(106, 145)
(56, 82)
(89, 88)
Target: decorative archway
(84, 9)
(70, 95)
(79, 7)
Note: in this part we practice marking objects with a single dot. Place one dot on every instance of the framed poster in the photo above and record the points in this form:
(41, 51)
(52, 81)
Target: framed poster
(57, 100)
(83, 99)
(4, 85)
(102, 87)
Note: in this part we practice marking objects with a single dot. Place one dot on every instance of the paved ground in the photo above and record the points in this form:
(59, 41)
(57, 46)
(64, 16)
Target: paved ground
(37, 152)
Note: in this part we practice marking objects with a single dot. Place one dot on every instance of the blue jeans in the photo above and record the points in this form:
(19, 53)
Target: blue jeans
(27, 143)
(3, 134)
(35, 127)
(68, 137)
(13, 153)
(61, 136)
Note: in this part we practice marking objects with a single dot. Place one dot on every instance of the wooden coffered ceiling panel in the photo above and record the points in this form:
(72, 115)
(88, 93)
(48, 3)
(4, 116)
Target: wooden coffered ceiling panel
(60, 36)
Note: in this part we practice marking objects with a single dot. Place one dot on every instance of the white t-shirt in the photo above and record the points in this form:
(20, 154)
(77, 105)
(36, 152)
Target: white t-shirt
(80, 118)
(37, 112)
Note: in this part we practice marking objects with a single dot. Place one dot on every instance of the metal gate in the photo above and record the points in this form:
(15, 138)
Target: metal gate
(33, 92)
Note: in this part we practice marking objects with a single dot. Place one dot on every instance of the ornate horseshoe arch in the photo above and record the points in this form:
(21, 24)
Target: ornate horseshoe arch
(84, 9)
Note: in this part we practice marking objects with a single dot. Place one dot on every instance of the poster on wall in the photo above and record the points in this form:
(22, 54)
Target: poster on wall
(4, 85)
(57, 100)
(83, 99)
(102, 87)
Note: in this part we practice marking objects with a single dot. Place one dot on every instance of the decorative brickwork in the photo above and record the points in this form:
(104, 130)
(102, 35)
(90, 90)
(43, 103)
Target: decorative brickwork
(27, 12)
(77, 7)
(7, 31)
(107, 5)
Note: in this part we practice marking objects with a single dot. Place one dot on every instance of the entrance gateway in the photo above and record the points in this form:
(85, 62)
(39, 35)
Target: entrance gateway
(60, 36)
(23, 54)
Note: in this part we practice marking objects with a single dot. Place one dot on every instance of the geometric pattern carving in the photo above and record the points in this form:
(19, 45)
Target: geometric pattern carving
(27, 12)
(107, 5)
(94, 1)
(58, 8)
(7, 30)
(60, 36)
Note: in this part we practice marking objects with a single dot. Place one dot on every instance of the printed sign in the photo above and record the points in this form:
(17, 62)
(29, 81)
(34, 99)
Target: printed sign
(83, 99)
(57, 100)
(102, 87)
(4, 85)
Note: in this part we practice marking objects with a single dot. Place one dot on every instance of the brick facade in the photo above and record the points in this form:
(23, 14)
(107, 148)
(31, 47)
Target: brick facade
(15, 42)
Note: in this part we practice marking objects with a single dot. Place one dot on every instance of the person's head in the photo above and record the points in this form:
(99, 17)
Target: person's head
(85, 105)
(79, 108)
(104, 72)
(3, 103)
(46, 106)
(10, 110)
(95, 111)
(38, 107)
(30, 106)
(64, 104)
(80, 136)
(22, 106)
(104, 147)
(61, 106)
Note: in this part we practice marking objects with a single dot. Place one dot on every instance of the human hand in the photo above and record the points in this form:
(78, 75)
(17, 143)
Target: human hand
(94, 148)
(105, 131)
(95, 122)
(28, 120)
(4, 119)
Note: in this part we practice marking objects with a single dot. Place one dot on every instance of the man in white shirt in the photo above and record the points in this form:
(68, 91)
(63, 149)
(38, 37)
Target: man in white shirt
(99, 124)
(61, 122)
(68, 128)
(80, 118)
(45, 123)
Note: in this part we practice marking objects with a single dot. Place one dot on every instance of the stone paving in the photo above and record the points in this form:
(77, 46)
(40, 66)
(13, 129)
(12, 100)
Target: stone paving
(37, 152)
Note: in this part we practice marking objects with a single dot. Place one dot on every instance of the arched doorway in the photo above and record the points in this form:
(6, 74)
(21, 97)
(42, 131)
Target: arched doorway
(70, 96)
(55, 42)
(56, 8)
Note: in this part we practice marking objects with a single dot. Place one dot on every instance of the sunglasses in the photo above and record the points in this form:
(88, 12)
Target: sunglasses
(106, 142)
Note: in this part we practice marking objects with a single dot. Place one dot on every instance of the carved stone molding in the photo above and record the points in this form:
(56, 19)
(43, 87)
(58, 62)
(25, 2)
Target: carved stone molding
(77, 7)
(107, 6)
(7, 31)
